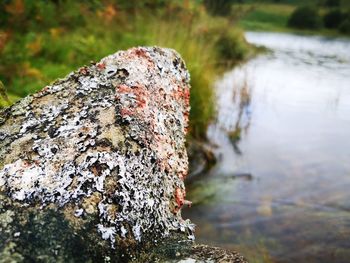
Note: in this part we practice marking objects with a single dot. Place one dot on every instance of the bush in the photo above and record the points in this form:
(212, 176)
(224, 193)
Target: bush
(305, 17)
(231, 46)
(333, 18)
(332, 3)
(218, 7)
(345, 27)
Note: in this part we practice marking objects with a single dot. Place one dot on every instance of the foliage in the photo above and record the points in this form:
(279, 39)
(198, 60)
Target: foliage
(337, 19)
(345, 26)
(332, 3)
(219, 7)
(46, 39)
(333, 18)
(270, 17)
(305, 17)
(232, 46)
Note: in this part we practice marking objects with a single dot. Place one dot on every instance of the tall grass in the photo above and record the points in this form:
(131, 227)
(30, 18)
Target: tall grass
(37, 45)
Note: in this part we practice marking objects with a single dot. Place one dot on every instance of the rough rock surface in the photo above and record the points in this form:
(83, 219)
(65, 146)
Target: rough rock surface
(92, 166)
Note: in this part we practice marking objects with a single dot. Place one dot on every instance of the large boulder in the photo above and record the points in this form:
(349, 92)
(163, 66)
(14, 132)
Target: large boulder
(92, 167)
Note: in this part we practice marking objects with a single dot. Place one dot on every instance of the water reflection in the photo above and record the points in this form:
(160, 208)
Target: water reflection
(292, 134)
(234, 97)
(241, 99)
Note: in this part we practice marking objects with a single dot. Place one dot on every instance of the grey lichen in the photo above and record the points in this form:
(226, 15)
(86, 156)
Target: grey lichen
(112, 132)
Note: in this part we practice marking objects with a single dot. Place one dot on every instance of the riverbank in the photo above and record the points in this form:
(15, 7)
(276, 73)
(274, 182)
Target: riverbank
(272, 17)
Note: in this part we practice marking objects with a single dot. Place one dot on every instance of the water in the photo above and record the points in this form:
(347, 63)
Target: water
(288, 113)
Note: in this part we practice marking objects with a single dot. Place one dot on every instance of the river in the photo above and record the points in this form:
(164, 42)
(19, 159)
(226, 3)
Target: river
(280, 191)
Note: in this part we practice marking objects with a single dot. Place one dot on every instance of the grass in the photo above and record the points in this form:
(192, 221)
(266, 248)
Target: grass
(274, 18)
(36, 48)
(266, 17)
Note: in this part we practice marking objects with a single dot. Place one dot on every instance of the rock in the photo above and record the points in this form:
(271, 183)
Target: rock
(92, 167)
(201, 158)
(193, 254)
(203, 253)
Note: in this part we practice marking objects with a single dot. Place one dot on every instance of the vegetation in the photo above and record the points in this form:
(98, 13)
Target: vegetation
(264, 17)
(220, 7)
(287, 15)
(46, 39)
(305, 17)
(333, 18)
(338, 19)
(332, 3)
(345, 26)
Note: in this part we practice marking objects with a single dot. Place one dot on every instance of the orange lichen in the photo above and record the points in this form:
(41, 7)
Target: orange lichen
(126, 112)
(179, 198)
(139, 94)
(101, 66)
(143, 54)
(183, 175)
(83, 71)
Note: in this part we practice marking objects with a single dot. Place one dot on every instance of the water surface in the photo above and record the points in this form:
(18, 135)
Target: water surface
(288, 113)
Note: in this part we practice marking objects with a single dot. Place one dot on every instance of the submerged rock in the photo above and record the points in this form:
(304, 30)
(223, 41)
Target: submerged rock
(92, 166)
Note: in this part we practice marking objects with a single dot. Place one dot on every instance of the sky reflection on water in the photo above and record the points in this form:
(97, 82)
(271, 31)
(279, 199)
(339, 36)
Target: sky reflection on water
(296, 145)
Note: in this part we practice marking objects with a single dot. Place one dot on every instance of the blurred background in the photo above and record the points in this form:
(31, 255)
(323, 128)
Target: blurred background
(42, 40)
(270, 99)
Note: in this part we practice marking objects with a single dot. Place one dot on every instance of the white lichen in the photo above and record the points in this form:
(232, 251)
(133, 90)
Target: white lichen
(68, 160)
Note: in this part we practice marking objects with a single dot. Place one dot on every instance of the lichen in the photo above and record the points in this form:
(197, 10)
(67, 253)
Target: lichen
(106, 141)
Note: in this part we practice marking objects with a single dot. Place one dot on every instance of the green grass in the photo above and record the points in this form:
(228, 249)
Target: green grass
(274, 18)
(11, 97)
(270, 17)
